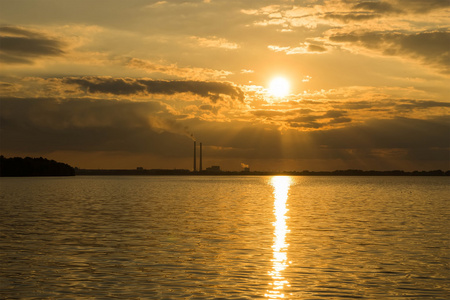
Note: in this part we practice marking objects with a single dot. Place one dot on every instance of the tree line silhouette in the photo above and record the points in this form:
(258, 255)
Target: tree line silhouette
(17, 166)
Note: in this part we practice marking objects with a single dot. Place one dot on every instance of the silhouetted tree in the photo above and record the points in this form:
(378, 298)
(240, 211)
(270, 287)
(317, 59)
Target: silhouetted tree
(17, 166)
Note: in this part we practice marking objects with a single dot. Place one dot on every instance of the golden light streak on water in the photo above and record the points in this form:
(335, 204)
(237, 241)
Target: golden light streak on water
(281, 185)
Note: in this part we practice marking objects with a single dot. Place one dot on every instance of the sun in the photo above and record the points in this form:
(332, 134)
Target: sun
(279, 87)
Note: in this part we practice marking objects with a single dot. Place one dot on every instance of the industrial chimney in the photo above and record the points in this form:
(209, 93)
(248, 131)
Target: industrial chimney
(201, 157)
(195, 156)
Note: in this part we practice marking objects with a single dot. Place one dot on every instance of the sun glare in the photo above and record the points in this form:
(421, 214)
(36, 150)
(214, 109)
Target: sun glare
(279, 87)
(281, 185)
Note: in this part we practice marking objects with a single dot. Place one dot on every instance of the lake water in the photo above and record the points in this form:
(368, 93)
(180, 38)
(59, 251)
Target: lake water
(200, 237)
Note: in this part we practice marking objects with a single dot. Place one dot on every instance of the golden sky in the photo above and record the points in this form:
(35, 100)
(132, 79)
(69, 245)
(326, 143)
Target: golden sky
(122, 84)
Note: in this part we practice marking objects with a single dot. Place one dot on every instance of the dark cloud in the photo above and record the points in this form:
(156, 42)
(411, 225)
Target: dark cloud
(340, 120)
(419, 104)
(18, 45)
(378, 6)
(355, 105)
(351, 16)
(371, 142)
(316, 48)
(215, 91)
(429, 47)
(423, 6)
(360, 11)
(310, 118)
(268, 113)
(305, 118)
(115, 86)
(17, 31)
(206, 107)
(306, 125)
(281, 113)
(330, 114)
(405, 133)
(390, 105)
(46, 124)
(397, 6)
(243, 141)
(334, 114)
(6, 85)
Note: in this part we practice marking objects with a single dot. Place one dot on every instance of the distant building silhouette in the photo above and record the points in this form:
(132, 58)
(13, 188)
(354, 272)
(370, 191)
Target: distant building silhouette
(213, 169)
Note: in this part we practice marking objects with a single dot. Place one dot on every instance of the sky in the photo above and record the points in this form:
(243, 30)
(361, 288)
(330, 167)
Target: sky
(116, 84)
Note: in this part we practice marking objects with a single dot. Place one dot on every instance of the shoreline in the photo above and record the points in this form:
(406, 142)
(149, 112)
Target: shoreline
(181, 172)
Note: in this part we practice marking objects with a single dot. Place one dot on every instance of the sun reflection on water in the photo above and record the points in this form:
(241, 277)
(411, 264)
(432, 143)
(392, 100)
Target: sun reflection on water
(281, 185)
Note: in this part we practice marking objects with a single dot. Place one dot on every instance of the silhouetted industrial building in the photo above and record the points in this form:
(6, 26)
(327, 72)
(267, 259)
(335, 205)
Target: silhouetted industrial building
(213, 169)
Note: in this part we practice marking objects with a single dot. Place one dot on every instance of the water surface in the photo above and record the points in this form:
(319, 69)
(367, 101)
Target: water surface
(187, 237)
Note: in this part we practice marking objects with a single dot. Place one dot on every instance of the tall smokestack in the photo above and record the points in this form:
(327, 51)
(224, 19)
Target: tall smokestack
(195, 156)
(200, 168)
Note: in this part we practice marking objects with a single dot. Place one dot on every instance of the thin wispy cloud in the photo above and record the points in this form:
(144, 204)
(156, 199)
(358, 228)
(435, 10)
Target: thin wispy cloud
(22, 46)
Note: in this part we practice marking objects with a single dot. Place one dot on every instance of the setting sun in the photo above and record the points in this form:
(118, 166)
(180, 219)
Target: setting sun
(279, 87)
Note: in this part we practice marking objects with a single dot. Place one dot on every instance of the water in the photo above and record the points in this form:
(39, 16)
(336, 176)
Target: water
(225, 237)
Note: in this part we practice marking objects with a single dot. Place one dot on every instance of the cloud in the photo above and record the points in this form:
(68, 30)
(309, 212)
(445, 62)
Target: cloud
(215, 42)
(49, 124)
(306, 125)
(210, 108)
(214, 100)
(159, 3)
(105, 85)
(396, 133)
(351, 16)
(174, 70)
(129, 127)
(316, 48)
(430, 47)
(340, 108)
(322, 117)
(340, 120)
(305, 48)
(420, 104)
(368, 15)
(21, 46)
(379, 7)
(307, 78)
(206, 107)
(334, 114)
(214, 91)
(246, 71)
(423, 6)
(374, 144)
(349, 11)
(318, 120)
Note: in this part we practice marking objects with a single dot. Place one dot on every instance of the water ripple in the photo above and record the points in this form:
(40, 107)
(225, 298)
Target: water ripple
(224, 238)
